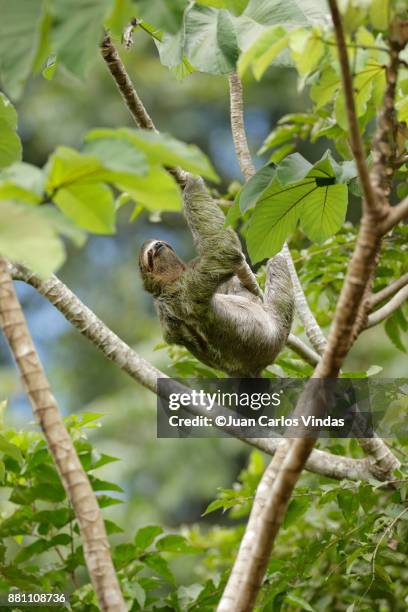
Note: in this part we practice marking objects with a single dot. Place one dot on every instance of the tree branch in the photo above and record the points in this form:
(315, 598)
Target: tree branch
(73, 476)
(312, 329)
(143, 119)
(253, 555)
(299, 347)
(238, 126)
(389, 291)
(117, 351)
(388, 309)
(395, 215)
(370, 201)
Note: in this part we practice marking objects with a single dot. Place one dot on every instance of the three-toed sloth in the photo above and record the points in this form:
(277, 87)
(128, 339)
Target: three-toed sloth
(203, 306)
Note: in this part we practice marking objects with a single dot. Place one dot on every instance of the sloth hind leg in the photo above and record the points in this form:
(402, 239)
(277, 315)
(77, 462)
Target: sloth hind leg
(278, 295)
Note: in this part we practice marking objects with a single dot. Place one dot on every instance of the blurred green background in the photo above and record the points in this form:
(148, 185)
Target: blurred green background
(166, 481)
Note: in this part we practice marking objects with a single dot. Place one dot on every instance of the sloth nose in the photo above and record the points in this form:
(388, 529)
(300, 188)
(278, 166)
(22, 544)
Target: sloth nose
(157, 247)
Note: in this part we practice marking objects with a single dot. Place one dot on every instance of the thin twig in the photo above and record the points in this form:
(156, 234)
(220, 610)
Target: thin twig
(388, 309)
(389, 291)
(299, 347)
(395, 215)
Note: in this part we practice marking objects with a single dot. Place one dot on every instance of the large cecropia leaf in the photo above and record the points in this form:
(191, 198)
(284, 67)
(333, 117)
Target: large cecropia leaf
(210, 40)
(275, 217)
(77, 28)
(301, 193)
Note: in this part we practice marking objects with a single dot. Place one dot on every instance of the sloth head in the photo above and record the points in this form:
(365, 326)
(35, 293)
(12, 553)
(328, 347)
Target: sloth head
(159, 265)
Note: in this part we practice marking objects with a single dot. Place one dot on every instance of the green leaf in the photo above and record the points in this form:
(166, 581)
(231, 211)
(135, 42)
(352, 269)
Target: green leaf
(52, 492)
(146, 536)
(122, 13)
(104, 485)
(156, 191)
(10, 145)
(363, 88)
(136, 591)
(124, 554)
(22, 495)
(105, 501)
(323, 212)
(307, 49)
(235, 6)
(164, 14)
(265, 48)
(19, 35)
(58, 517)
(112, 527)
(288, 12)
(256, 185)
(402, 109)
(322, 92)
(296, 509)
(67, 167)
(176, 544)
(348, 503)
(62, 225)
(159, 565)
(275, 217)
(299, 603)
(91, 206)
(103, 460)
(278, 43)
(77, 29)
(29, 179)
(393, 329)
(380, 14)
(10, 450)
(216, 504)
(118, 155)
(8, 114)
(26, 237)
(162, 149)
(211, 43)
(292, 169)
(172, 55)
(36, 548)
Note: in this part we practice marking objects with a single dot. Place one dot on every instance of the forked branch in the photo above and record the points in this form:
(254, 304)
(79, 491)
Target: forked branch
(264, 523)
(312, 328)
(143, 119)
(388, 309)
(117, 351)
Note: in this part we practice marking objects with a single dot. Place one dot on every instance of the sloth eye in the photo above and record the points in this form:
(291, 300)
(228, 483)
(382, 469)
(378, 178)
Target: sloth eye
(150, 260)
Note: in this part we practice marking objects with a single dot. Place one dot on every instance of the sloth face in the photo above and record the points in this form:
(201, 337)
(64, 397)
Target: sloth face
(159, 264)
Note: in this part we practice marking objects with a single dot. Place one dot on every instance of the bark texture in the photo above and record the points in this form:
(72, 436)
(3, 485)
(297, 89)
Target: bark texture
(75, 481)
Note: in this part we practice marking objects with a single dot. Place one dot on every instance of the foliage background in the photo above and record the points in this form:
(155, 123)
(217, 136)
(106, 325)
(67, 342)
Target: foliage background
(170, 482)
